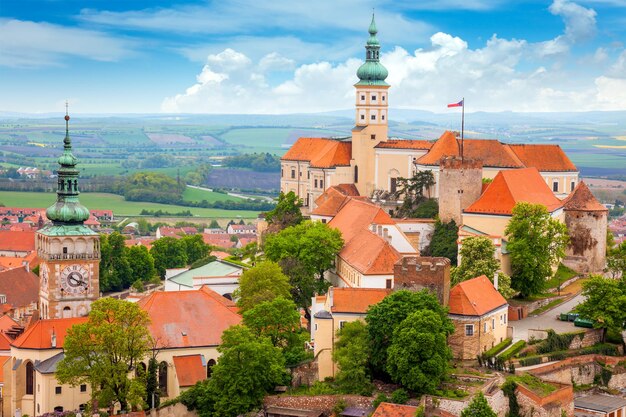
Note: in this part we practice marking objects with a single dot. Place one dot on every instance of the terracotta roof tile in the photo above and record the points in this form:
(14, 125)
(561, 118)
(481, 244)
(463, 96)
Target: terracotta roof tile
(220, 240)
(370, 254)
(511, 187)
(394, 410)
(357, 215)
(475, 297)
(39, 334)
(189, 318)
(189, 370)
(348, 189)
(582, 199)
(20, 286)
(22, 241)
(356, 300)
(446, 145)
(330, 202)
(6, 322)
(544, 157)
(405, 144)
(320, 152)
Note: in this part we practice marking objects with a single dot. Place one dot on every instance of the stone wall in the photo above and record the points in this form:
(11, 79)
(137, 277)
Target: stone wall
(460, 184)
(581, 370)
(176, 410)
(591, 337)
(304, 374)
(322, 403)
(550, 405)
(416, 273)
(587, 232)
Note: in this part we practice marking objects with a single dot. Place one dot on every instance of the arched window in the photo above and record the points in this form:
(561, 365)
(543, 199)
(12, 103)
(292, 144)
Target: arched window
(356, 173)
(209, 367)
(163, 378)
(58, 409)
(30, 378)
(67, 312)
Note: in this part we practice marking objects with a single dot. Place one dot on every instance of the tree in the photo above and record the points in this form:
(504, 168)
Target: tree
(303, 283)
(142, 265)
(279, 321)
(412, 192)
(264, 282)
(115, 271)
(103, 351)
(152, 397)
(444, 241)
(214, 224)
(249, 367)
(286, 213)
(536, 242)
(418, 355)
(605, 303)
(195, 247)
(616, 260)
(168, 252)
(478, 408)
(477, 258)
(384, 317)
(351, 354)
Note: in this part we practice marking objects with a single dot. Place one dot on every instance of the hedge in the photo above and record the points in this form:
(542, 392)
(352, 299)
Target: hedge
(497, 348)
(513, 350)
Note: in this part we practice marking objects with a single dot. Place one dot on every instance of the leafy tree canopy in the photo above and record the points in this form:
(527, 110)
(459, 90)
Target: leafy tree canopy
(605, 303)
(411, 190)
(168, 252)
(444, 241)
(141, 263)
(616, 259)
(478, 408)
(286, 213)
(536, 242)
(264, 282)
(195, 247)
(150, 186)
(351, 354)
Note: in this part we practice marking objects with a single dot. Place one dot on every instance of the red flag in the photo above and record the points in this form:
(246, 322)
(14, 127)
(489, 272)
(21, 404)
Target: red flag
(459, 104)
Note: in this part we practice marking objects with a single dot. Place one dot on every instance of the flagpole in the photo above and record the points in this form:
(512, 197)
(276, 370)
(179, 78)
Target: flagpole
(462, 127)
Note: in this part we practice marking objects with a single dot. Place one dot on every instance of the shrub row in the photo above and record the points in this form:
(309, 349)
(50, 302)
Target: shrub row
(513, 350)
(498, 348)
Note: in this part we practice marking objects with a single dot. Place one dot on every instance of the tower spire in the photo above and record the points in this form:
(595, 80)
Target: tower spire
(372, 72)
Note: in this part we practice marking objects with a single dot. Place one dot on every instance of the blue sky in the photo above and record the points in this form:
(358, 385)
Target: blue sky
(284, 56)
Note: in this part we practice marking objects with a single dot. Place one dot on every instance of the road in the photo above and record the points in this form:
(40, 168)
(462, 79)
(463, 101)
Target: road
(546, 321)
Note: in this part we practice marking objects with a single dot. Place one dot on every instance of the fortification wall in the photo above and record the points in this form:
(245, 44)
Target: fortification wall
(460, 184)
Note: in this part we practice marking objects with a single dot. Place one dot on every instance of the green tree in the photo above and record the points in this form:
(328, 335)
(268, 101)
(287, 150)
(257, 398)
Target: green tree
(605, 303)
(418, 355)
(536, 242)
(152, 385)
(286, 213)
(411, 190)
(168, 252)
(477, 258)
(444, 241)
(278, 320)
(478, 408)
(264, 282)
(142, 264)
(105, 350)
(115, 271)
(249, 367)
(303, 283)
(195, 247)
(214, 224)
(150, 186)
(384, 317)
(351, 354)
(616, 260)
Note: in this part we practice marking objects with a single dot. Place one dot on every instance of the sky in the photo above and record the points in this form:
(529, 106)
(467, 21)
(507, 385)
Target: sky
(294, 56)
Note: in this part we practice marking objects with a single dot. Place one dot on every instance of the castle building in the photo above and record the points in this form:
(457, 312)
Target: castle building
(373, 162)
(68, 249)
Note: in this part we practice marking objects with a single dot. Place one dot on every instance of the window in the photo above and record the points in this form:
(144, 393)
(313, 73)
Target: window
(572, 186)
(505, 318)
(83, 387)
(388, 284)
(382, 117)
(209, 367)
(356, 173)
(323, 220)
(321, 183)
(362, 97)
(315, 182)
(373, 117)
(58, 409)
(393, 185)
(300, 173)
(315, 326)
(383, 98)
(64, 249)
(308, 175)
(163, 378)
(469, 330)
(293, 173)
(372, 137)
(282, 172)
(362, 117)
(373, 98)
(30, 378)
(555, 186)
(58, 390)
(486, 328)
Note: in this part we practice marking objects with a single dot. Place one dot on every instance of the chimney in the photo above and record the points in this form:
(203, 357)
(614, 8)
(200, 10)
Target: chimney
(330, 296)
(495, 280)
(53, 339)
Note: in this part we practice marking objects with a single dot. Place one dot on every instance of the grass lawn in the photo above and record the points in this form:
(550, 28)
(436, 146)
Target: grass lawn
(534, 384)
(120, 207)
(547, 307)
(562, 274)
(194, 194)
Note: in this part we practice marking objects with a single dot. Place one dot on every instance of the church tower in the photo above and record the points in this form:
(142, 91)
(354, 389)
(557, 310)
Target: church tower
(69, 250)
(371, 114)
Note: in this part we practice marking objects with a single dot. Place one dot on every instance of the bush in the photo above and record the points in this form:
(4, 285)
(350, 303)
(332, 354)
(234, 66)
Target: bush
(399, 396)
(497, 348)
(339, 406)
(381, 398)
(557, 342)
(513, 350)
(534, 360)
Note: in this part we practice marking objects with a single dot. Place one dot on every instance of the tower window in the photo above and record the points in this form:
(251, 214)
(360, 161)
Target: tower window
(362, 117)
(573, 185)
(293, 173)
(315, 182)
(373, 98)
(372, 137)
(362, 97)
(555, 186)
(64, 249)
(382, 117)
(383, 98)
(373, 117)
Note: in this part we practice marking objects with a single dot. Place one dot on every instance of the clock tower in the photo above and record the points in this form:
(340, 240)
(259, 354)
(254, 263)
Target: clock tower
(69, 250)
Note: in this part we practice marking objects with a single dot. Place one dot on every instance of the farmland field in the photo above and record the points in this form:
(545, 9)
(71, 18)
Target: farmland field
(120, 207)
(195, 194)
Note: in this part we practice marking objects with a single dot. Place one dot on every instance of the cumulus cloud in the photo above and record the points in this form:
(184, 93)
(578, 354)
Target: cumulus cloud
(35, 44)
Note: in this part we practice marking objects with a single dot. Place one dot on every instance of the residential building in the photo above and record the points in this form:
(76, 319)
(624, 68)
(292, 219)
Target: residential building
(19, 293)
(241, 229)
(600, 405)
(479, 314)
(220, 276)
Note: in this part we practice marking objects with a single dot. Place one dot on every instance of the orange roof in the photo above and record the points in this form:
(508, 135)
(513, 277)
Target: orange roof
(582, 199)
(22, 241)
(357, 215)
(11, 262)
(348, 189)
(405, 144)
(189, 370)
(370, 254)
(511, 187)
(21, 287)
(189, 318)
(446, 145)
(221, 240)
(6, 322)
(475, 297)
(394, 410)
(320, 152)
(544, 157)
(39, 335)
(330, 202)
(356, 300)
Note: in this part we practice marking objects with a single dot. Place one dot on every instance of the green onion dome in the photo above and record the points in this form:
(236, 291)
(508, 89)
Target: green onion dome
(372, 72)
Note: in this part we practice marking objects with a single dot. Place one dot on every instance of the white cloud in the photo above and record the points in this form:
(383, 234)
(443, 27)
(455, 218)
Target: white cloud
(580, 22)
(277, 62)
(36, 44)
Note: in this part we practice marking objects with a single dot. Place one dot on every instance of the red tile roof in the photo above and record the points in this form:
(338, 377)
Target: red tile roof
(189, 370)
(220, 240)
(6, 322)
(330, 202)
(394, 410)
(348, 189)
(582, 199)
(475, 297)
(22, 241)
(189, 318)
(320, 152)
(356, 300)
(357, 215)
(511, 187)
(11, 262)
(370, 254)
(39, 334)
(405, 144)
(20, 286)
(544, 157)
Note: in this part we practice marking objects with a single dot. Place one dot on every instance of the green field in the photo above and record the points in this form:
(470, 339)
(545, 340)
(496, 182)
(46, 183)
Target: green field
(120, 207)
(193, 194)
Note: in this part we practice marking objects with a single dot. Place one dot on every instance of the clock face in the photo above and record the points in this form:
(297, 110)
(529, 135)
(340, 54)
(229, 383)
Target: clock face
(75, 279)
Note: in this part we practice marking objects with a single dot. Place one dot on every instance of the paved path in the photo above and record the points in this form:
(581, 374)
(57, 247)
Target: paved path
(547, 320)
